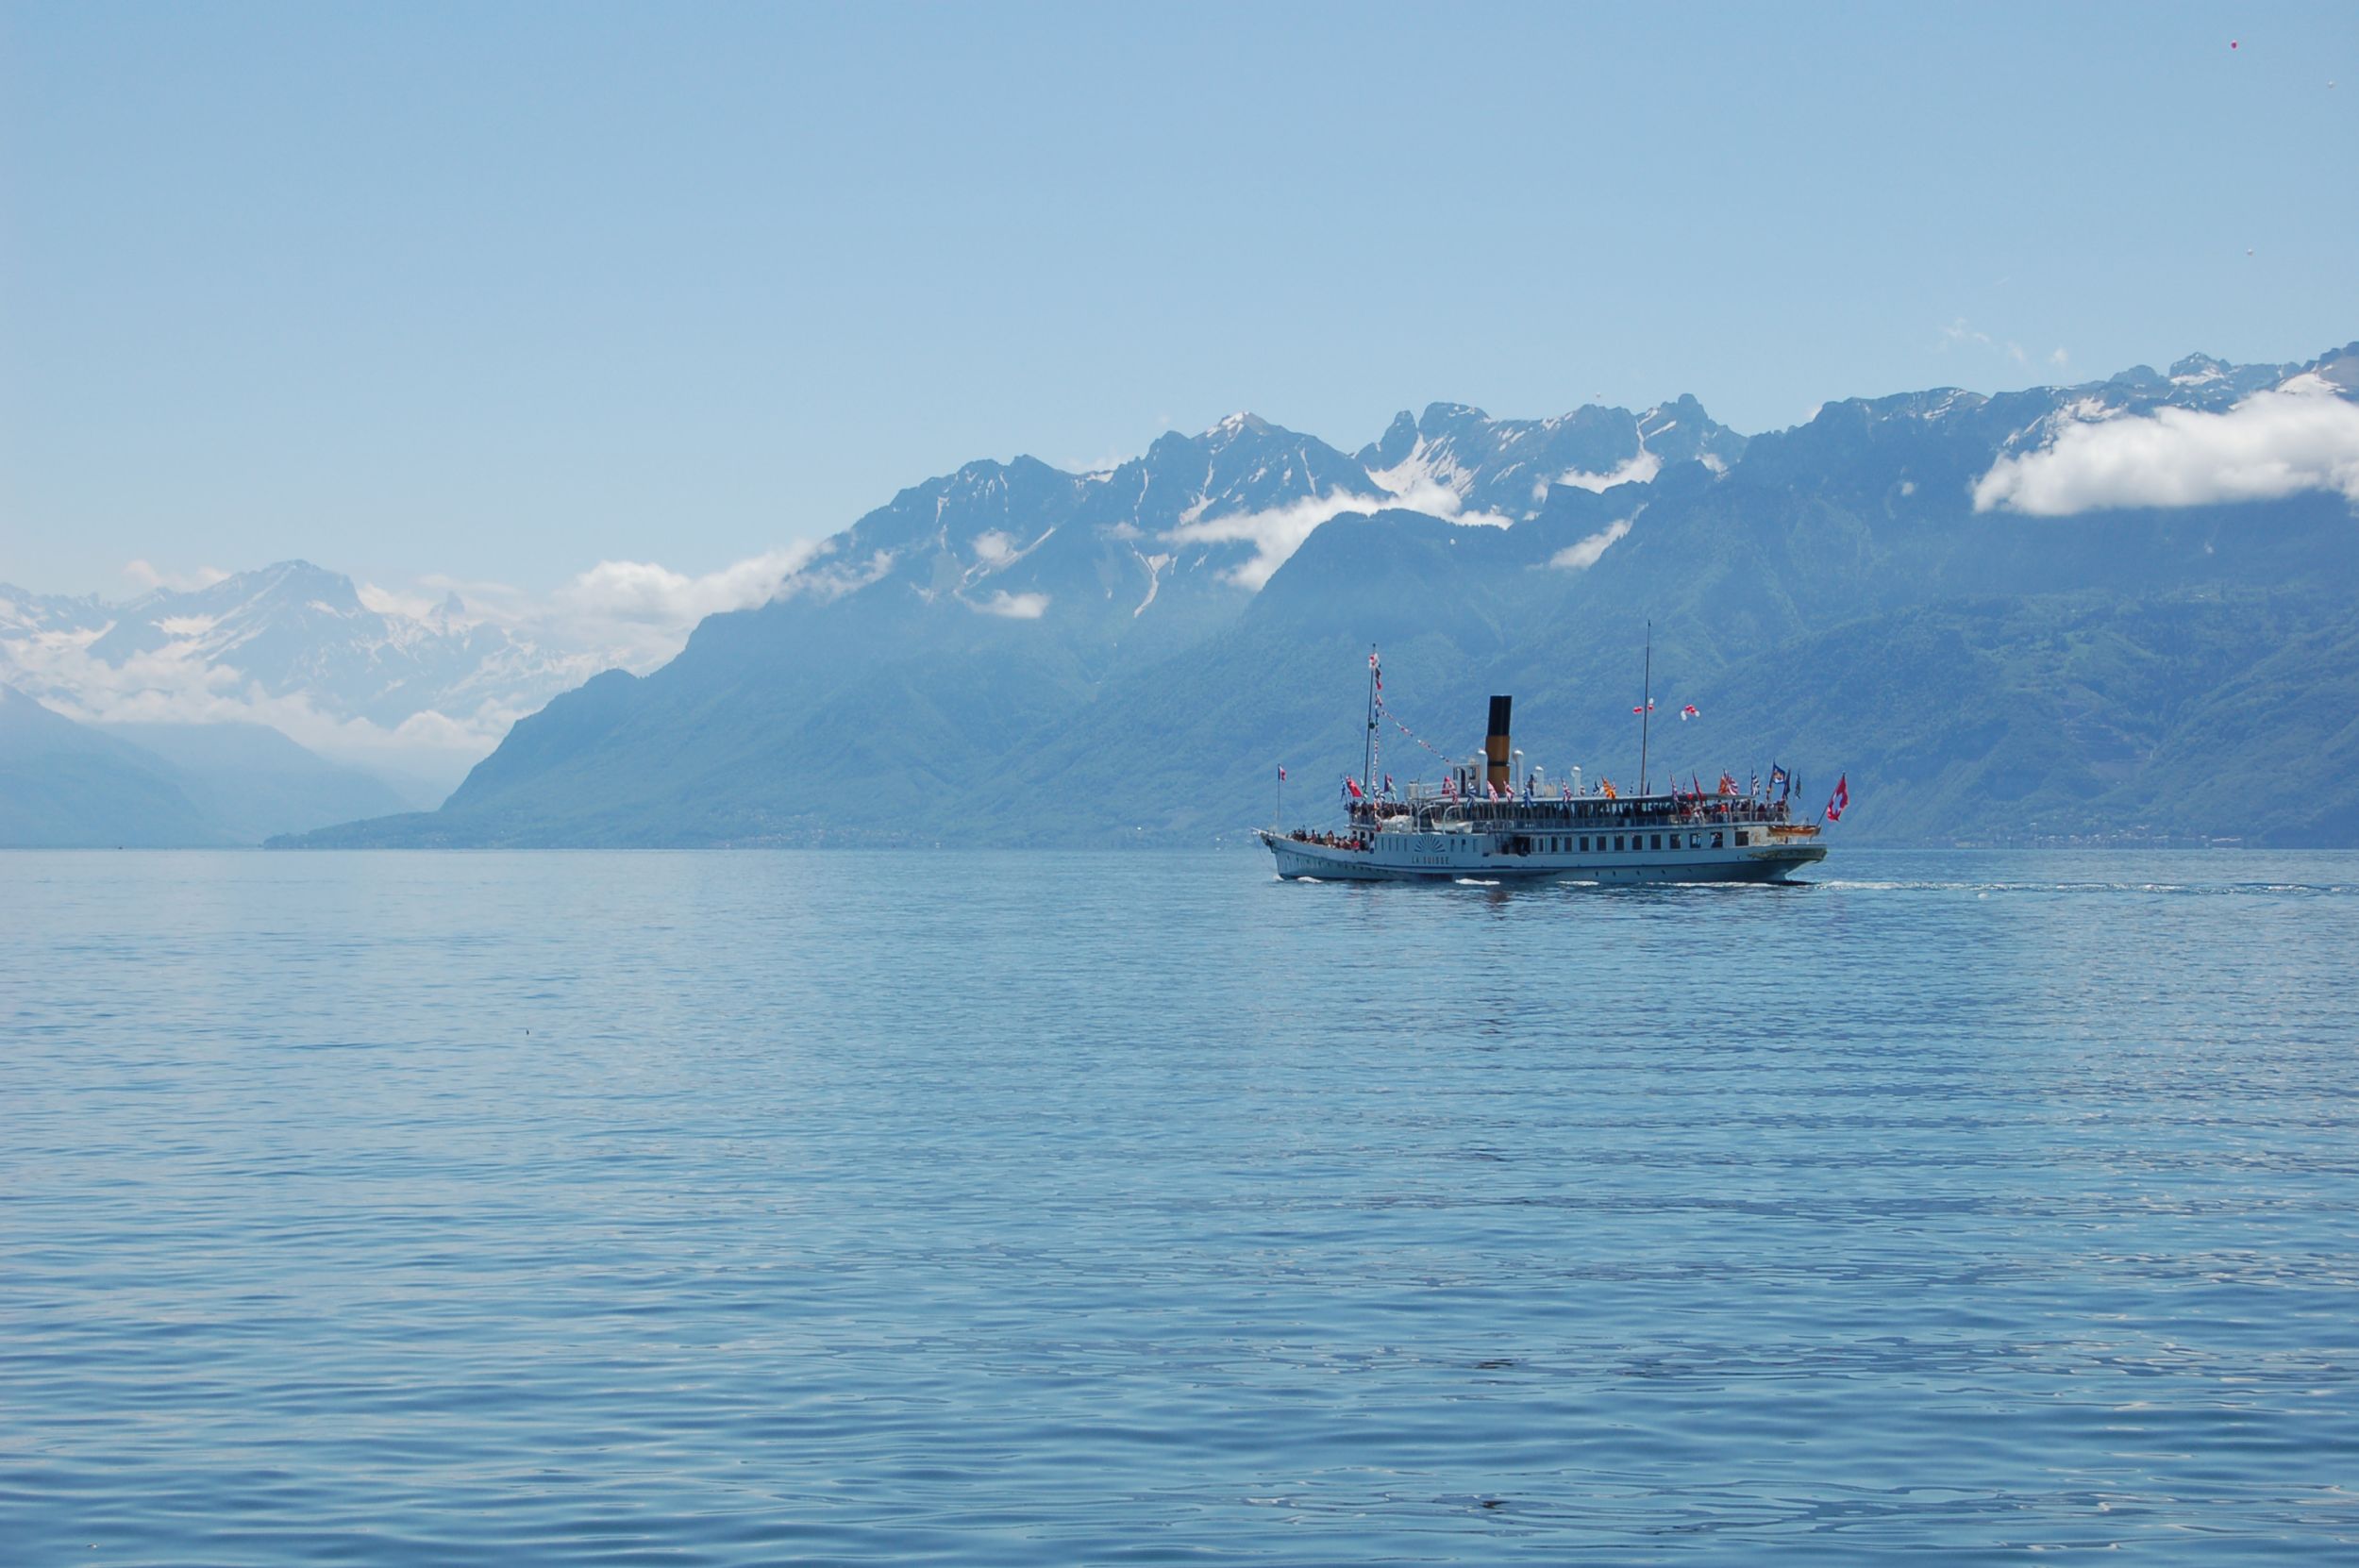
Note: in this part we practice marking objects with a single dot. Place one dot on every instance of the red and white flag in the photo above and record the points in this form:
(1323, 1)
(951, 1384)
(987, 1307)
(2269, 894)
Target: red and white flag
(1840, 801)
(1644, 707)
(1353, 785)
(1689, 712)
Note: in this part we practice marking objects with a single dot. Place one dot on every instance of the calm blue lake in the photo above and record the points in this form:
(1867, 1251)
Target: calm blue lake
(981, 1209)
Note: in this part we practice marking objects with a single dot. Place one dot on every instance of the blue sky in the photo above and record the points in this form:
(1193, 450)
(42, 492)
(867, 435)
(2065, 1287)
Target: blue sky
(492, 292)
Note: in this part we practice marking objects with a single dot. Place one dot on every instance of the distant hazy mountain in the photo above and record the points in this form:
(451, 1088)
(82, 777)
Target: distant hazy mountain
(252, 782)
(68, 785)
(292, 634)
(63, 785)
(2121, 608)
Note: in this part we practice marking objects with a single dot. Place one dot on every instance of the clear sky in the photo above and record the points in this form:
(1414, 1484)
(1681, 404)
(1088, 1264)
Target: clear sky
(493, 292)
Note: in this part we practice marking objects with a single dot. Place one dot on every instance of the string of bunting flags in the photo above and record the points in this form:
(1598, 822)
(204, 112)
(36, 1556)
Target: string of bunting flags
(1779, 785)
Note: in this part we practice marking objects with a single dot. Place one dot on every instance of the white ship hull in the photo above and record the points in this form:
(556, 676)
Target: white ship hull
(1684, 856)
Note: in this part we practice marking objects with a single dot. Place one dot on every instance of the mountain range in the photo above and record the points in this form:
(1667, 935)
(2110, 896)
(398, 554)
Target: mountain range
(421, 690)
(2120, 612)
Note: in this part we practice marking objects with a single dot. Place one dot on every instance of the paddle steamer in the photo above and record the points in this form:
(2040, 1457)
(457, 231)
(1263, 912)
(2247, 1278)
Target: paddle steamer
(1492, 820)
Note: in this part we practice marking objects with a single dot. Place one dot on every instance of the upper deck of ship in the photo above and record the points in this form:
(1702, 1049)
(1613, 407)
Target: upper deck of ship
(1428, 812)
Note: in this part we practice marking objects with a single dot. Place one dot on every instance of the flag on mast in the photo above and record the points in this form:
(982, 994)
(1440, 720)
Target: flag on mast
(1840, 801)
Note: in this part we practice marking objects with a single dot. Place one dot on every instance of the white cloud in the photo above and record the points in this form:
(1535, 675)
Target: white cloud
(833, 582)
(1277, 533)
(645, 594)
(1958, 335)
(1583, 556)
(385, 601)
(148, 577)
(2300, 436)
(636, 615)
(1636, 471)
(1015, 606)
(994, 548)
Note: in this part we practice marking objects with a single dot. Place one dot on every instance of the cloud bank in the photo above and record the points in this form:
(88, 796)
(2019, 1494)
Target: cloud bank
(646, 611)
(148, 577)
(2300, 436)
(1581, 556)
(1639, 470)
(1277, 533)
(510, 652)
(1015, 606)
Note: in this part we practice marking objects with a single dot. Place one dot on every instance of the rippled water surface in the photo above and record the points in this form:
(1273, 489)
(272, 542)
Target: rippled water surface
(737, 1207)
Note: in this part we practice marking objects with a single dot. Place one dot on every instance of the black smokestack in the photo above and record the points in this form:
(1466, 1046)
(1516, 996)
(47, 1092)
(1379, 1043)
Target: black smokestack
(1494, 746)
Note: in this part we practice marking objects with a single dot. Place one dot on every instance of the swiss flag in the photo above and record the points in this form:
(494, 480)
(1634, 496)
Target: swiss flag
(1840, 801)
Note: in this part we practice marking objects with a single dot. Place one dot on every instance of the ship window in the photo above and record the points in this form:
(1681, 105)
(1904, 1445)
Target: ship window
(1617, 840)
(1716, 841)
(1584, 844)
(1743, 838)
(1695, 841)
(1658, 840)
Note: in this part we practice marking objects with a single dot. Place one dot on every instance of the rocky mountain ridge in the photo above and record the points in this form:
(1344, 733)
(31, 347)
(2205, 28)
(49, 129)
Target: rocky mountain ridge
(1141, 645)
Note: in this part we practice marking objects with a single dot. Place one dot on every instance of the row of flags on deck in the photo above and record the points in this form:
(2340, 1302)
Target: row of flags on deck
(1779, 789)
(1781, 786)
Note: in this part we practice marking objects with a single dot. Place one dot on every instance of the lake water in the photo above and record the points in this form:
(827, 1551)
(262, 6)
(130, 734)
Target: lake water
(979, 1209)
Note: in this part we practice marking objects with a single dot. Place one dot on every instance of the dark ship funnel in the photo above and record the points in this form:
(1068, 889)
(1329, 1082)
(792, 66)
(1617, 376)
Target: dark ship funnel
(1494, 746)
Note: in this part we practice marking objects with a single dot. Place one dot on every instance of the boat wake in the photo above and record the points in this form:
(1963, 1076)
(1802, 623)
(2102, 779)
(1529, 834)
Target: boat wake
(2215, 890)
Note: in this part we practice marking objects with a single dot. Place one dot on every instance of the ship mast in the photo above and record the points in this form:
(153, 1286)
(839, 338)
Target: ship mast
(1367, 757)
(1646, 710)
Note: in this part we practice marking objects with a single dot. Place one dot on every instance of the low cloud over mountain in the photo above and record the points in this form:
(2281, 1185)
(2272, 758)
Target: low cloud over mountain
(427, 677)
(2282, 441)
